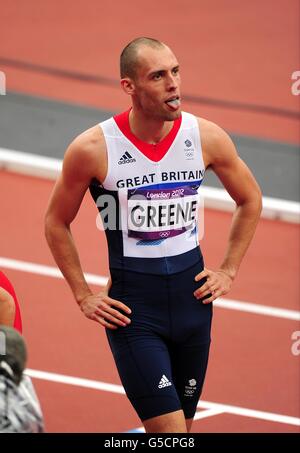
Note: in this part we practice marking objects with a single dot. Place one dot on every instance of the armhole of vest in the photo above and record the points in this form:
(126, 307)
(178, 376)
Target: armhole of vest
(106, 179)
(198, 139)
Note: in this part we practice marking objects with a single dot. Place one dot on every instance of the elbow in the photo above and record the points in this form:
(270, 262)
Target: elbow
(252, 203)
(256, 205)
(48, 227)
(256, 200)
(259, 202)
(54, 227)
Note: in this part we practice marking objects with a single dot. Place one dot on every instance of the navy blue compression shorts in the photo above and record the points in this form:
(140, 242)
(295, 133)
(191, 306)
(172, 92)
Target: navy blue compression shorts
(162, 354)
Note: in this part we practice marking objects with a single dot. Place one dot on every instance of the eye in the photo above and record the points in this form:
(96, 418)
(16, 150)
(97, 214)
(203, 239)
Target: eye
(157, 76)
(175, 71)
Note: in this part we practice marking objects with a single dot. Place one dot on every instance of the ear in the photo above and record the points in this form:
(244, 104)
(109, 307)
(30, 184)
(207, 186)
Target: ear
(128, 86)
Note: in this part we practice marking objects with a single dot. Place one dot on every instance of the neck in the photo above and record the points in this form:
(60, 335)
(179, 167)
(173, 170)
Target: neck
(148, 129)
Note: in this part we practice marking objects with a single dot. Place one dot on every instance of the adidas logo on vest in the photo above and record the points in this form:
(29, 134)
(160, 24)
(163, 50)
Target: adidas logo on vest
(126, 159)
(164, 382)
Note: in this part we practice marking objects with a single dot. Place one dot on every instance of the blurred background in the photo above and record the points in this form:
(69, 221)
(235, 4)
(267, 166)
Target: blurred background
(237, 59)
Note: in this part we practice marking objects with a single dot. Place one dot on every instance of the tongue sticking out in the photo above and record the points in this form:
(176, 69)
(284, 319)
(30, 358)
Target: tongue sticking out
(174, 104)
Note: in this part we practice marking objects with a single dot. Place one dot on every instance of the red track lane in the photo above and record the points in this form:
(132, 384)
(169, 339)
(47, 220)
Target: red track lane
(233, 50)
(251, 363)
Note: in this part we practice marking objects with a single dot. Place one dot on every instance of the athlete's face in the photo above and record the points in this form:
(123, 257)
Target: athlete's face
(156, 87)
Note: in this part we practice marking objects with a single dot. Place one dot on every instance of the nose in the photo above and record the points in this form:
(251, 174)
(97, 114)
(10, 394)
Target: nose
(172, 82)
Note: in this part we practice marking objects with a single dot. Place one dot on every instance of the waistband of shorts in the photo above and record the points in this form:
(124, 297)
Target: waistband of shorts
(171, 265)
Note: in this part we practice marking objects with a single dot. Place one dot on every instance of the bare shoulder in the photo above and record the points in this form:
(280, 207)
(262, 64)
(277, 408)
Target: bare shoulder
(220, 155)
(217, 145)
(5, 296)
(85, 157)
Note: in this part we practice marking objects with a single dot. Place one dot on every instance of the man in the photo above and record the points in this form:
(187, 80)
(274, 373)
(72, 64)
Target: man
(143, 169)
(19, 406)
(9, 307)
(20, 410)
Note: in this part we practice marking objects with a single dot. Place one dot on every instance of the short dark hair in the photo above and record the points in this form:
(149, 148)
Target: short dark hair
(128, 58)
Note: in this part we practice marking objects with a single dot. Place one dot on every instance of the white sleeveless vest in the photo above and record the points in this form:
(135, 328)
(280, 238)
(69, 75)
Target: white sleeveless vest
(149, 209)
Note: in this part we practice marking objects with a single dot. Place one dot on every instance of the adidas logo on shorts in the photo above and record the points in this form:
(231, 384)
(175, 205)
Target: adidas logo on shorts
(164, 382)
(126, 159)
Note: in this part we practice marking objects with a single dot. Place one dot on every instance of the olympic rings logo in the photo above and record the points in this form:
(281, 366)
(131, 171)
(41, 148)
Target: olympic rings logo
(164, 234)
(189, 153)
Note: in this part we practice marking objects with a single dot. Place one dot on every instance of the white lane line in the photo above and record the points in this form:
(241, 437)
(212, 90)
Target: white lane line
(79, 382)
(29, 164)
(48, 271)
(242, 411)
(212, 408)
(207, 413)
(215, 198)
(229, 304)
(257, 309)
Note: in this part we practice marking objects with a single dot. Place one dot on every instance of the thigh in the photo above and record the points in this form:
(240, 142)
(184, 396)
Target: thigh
(189, 363)
(143, 362)
(189, 349)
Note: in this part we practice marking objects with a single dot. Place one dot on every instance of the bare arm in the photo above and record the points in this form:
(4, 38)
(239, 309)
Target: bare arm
(220, 155)
(78, 167)
(84, 159)
(7, 308)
